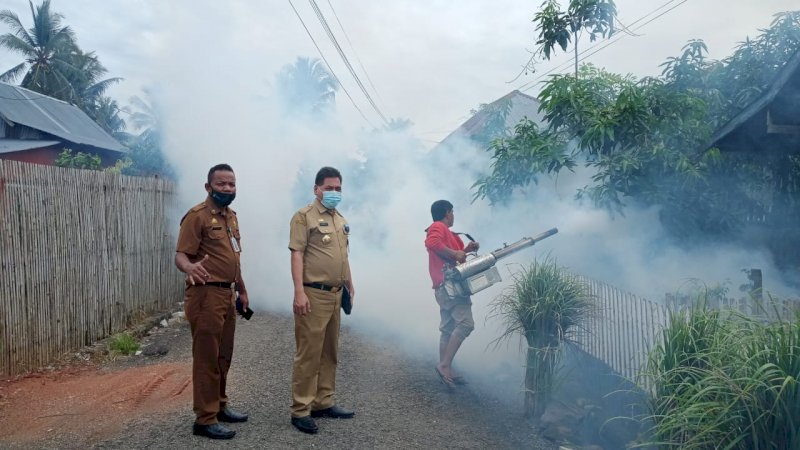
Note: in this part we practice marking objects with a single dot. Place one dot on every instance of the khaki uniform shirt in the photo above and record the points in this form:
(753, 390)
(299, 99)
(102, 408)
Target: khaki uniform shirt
(208, 230)
(322, 235)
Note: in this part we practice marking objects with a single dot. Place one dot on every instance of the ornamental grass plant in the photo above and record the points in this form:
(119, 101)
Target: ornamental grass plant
(725, 380)
(545, 305)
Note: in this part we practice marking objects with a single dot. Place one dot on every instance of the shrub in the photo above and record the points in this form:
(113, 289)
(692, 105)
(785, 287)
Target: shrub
(546, 305)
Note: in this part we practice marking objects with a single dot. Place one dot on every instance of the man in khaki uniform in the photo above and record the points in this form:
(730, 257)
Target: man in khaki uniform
(320, 271)
(208, 253)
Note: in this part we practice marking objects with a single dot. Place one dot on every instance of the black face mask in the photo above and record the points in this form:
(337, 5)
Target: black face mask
(222, 199)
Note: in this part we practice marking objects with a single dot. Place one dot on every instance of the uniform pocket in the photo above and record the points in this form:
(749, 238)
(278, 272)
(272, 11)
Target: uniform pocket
(216, 233)
(323, 234)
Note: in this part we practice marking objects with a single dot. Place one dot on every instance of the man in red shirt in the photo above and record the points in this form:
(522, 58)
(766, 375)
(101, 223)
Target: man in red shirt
(446, 249)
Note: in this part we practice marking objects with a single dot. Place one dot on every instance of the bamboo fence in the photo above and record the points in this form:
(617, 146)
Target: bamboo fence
(622, 329)
(82, 255)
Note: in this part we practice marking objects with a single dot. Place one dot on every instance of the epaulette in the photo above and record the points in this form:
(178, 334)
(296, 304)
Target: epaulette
(198, 207)
(306, 208)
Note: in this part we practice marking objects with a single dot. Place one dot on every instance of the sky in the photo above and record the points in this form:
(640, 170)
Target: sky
(213, 67)
(430, 61)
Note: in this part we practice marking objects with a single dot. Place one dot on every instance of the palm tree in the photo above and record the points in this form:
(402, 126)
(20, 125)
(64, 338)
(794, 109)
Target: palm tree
(307, 87)
(105, 111)
(88, 91)
(145, 115)
(47, 48)
(54, 65)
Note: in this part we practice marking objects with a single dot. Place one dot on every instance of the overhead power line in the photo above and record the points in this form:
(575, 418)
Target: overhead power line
(349, 66)
(584, 54)
(352, 47)
(329, 66)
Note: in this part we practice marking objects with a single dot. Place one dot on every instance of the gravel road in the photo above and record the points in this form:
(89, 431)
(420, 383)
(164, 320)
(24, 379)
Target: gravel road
(398, 399)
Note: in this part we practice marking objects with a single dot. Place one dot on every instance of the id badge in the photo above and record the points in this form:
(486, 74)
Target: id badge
(235, 245)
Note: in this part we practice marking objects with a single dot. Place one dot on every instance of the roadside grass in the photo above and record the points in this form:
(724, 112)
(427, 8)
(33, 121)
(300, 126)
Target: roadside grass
(123, 344)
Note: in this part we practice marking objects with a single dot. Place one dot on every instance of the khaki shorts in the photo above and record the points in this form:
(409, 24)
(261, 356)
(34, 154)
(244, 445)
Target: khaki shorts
(456, 314)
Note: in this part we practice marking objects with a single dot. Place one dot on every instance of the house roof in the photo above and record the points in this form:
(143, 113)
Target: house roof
(783, 77)
(58, 118)
(522, 105)
(16, 145)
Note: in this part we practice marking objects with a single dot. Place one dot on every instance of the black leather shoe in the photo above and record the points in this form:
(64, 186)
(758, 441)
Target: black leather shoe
(229, 415)
(213, 431)
(333, 412)
(305, 424)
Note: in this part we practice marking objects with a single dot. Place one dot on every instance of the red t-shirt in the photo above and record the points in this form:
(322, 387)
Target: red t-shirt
(439, 237)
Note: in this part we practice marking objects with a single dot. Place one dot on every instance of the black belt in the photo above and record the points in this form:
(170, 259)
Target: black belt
(222, 284)
(323, 287)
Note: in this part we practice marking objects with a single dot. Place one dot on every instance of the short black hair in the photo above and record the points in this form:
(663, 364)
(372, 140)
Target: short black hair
(440, 208)
(217, 168)
(327, 172)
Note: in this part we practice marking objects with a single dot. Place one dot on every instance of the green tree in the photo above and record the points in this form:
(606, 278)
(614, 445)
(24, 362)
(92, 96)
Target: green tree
(559, 28)
(145, 149)
(307, 88)
(646, 140)
(494, 126)
(48, 48)
(54, 65)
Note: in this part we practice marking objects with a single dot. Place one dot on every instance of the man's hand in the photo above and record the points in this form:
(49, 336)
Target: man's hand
(244, 299)
(301, 304)
(472, 247)
(196, 273)
(460, 256)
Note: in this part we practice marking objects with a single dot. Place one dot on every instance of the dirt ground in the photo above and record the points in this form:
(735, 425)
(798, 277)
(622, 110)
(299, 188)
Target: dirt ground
(145, 401)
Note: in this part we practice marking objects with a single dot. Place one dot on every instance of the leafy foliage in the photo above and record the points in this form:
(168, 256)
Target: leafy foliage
(306, 88)
(559, 28)
(645, 139)
(79, 160)
(145, 154)
(54, 65)
(48, 49)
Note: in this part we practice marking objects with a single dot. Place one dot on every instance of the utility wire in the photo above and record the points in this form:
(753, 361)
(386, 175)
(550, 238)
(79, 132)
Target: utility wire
(352, 47)
(626, 29)
(583, 54)
(352, 71)
(329, 66)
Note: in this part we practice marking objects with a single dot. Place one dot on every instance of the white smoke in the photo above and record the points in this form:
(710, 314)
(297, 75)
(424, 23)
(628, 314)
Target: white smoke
(219, 106)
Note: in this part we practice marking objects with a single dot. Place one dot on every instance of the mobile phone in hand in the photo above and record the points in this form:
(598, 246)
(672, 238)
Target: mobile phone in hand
(246, 313)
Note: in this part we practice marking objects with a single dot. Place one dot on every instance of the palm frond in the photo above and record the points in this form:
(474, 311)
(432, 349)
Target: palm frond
(12, 74)
(17, 44)
(99, 89)
(12, 20)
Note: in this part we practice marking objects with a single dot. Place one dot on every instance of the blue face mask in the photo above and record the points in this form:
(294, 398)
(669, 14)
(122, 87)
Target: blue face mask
(331, 198)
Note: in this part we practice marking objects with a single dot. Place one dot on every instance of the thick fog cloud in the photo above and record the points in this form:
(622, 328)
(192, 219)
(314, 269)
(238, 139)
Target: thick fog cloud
(212, 66)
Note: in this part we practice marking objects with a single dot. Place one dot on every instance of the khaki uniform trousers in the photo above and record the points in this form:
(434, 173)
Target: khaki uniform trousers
(210, 312)
(317, 337)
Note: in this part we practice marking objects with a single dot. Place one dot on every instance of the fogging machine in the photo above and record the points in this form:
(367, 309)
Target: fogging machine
(480, 272)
